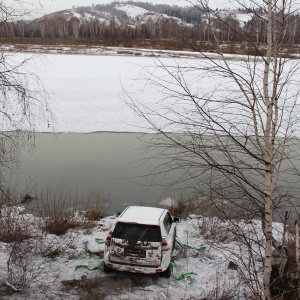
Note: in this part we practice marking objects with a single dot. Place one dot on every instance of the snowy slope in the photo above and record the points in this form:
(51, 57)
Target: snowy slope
(132, 11)
(144, 15)
(48, 277)
(244, 18)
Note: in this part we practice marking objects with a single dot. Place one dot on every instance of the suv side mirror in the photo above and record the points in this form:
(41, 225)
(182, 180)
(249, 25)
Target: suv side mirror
(176, 220)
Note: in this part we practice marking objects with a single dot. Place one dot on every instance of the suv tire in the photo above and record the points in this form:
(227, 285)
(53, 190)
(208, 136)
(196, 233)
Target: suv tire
(106, 268)
(174, 241)
(166, 273)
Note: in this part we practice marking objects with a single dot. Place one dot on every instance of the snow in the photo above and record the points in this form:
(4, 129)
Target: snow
(45, 275)
(131, 10)
(86, 92)
(76, 15)
(244, 18)
(88, 88)
(143, 215)
(88, 16)
(135, 12)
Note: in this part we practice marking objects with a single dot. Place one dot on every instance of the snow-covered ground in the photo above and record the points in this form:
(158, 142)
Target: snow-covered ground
(56, 277)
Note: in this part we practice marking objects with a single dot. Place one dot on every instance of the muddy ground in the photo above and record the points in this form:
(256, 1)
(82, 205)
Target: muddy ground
(109, 286)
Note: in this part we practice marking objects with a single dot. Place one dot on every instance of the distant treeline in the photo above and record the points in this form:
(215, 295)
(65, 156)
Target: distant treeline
(110, 23)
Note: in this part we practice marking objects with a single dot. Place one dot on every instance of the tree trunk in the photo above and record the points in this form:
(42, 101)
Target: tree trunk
(268, 254)
(297, 256)
(268, 154)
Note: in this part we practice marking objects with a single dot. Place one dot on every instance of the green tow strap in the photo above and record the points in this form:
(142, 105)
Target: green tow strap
(182, 276)
(188, 274)
(86, 255)
(88, 268)
(172, 264)
(201, 249)
(99, 241)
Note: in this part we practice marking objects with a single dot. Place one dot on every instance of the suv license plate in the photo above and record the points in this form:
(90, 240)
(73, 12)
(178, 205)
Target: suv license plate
(135, 252)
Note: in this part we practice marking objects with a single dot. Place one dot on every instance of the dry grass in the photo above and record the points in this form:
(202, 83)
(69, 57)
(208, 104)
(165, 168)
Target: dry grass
(57, 217)
(6, 196)
(59, 224)
(162, 44)
(222, 292)
(57, 214)
(95, 205)
(175, 43)
(24, 238)
(98, 287)
(61, 214)
(178, 208)
(13, 228)
(214, 229)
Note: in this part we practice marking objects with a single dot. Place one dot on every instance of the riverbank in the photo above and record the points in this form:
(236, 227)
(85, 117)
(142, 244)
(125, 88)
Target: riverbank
(49, 266)
(99, 50)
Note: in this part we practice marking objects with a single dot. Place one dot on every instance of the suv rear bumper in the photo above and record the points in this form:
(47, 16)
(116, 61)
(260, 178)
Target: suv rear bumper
(133, 268)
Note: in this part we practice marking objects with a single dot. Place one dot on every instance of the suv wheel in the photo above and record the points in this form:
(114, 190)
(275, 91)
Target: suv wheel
(106, 268)
(166, 273)
(174, 241)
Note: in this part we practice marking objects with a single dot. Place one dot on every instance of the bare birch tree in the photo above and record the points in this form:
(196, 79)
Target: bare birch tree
(231, 123)
(22, 99)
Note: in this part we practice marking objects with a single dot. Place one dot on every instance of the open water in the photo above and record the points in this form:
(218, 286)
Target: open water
(80, 164)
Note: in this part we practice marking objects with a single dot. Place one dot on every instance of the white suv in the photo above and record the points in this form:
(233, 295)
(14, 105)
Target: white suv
(142, 241)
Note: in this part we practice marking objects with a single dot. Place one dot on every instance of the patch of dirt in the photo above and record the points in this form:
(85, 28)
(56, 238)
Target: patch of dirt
(109, 285)
(85, 288)
(5, 290)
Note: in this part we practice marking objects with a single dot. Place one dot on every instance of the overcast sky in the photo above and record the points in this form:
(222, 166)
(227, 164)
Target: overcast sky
(49, 6)
(55, 5)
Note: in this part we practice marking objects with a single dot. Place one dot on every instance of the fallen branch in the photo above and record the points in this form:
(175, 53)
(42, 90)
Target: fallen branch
(12, 287)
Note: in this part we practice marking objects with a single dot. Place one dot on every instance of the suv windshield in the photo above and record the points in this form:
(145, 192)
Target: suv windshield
(137, 232)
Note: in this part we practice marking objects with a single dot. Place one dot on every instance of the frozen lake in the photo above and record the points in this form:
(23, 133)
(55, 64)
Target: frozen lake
(86, 92)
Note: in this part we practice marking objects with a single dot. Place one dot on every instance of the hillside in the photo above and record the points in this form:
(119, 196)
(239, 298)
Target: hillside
(129, 20)
(122, 14)
(136, 24)
(136, 14)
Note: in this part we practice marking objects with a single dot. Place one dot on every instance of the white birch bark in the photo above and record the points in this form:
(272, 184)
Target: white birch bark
(297, 254)
(268, 156)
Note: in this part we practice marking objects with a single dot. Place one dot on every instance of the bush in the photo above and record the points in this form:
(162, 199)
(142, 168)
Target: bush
(95, 206)
(57, 214)
(60, 223)
(178, 209)
(214, 229)
(13, 228)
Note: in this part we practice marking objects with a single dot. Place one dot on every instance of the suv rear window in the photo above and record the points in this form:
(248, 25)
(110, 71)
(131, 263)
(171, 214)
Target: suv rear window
(137, 232)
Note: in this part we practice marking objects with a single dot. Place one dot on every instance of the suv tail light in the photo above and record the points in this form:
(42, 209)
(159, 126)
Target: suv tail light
(165, 245)
(108, 238)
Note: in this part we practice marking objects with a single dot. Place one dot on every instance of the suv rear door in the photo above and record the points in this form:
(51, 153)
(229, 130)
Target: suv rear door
(170, 229)
(136, 244)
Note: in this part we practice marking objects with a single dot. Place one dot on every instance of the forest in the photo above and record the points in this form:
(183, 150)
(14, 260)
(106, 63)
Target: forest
(162, 24)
